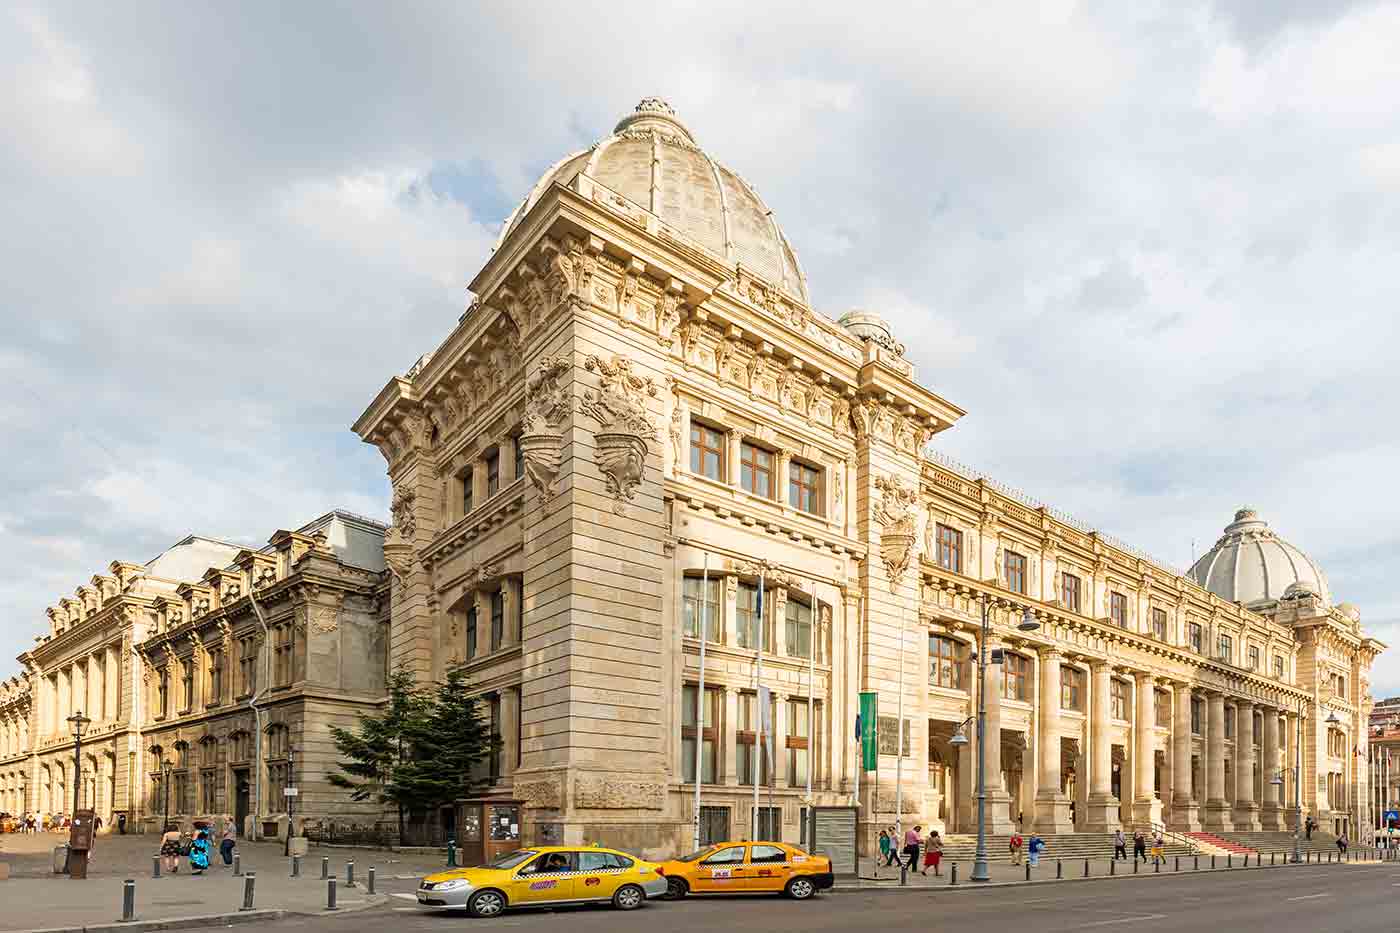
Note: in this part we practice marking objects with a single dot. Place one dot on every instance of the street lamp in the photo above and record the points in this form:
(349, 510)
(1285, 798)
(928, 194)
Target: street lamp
(167, 770)
(290, 798)
(78, 723)
(1028, 623)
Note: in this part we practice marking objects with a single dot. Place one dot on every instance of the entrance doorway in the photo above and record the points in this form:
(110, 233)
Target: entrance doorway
(240, 799)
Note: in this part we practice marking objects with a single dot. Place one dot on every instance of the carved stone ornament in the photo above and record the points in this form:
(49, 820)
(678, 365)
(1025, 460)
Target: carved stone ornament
(547, 403)
(405, 522)
(895, 512)
(620, 408)
(539, 795)
(399, 559)
(324, 619)
(596, 793)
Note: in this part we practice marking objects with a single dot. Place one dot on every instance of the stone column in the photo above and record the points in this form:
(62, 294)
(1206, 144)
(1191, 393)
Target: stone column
(1101, 809)
(1270, 814)
(1000, 819)
(1185, 811)
(1146, 807)
(1217, 811)
(1246, 815)
(506, 451)
(733, 447)
(1051, 804)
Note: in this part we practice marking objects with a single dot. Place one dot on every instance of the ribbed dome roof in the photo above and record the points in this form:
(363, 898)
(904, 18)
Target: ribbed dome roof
(1250, 564)
(652, 159)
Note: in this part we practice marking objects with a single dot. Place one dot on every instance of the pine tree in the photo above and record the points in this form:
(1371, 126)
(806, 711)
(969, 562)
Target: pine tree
(448, 743)
(374, 757)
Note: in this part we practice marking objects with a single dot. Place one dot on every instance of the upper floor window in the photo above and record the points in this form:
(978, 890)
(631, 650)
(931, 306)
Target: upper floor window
(706, 452)
(944, 663)
(1339, 685)
(471, 627)
(1071, 688)
(1162, 700)
(186, 684)
(1118, 699)
(214, 686)
(1229, 722)
(163, 693)
(803, 488)
(1198, 708)
(1159, 624)
(1069, 591)
(282, 655)
(493, 473)
(703, 728)
(702, 597)
(498, 619)
(949, 542)
(1278, 666)
(467, 500)
(1118, 609)
(798, 629)
(1224, 648)
(1015, 572)
(1016, 670)
(756, 470)
(747, 623)
(1254, 657)
(1194, 637)
(518, 467)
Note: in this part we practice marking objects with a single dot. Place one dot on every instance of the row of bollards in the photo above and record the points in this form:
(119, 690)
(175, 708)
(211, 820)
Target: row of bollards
(250, 882)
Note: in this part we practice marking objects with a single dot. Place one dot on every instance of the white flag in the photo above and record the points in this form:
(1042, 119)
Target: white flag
(765, 719)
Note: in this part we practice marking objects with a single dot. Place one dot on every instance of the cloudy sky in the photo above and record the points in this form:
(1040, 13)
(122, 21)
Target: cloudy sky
(1150, 247)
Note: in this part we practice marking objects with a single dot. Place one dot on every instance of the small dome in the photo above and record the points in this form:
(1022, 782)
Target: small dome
(1350, 611)
(652, 160)
(867, 325)
(1251, 565)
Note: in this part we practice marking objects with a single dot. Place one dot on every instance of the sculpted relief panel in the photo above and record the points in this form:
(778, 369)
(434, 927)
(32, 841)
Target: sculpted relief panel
(619, 406)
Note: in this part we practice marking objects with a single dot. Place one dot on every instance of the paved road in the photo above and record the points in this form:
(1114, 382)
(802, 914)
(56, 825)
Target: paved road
(1336, 899)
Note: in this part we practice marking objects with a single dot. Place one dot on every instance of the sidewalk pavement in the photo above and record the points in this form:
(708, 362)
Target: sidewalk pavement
(37, 899)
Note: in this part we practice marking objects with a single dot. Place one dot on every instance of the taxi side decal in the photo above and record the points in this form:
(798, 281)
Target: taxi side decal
(543, 885)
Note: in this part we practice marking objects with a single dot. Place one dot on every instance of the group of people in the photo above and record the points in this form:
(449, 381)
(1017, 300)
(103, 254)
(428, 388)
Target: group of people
(173, 847)
(1140, 847)
(914, 841)
(34, 823)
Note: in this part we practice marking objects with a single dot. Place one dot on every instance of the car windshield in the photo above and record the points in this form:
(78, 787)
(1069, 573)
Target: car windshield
(511, 859)
(695, 856)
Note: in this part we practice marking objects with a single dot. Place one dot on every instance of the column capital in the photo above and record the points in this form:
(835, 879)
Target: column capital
(1144, 678)
(1244, 703)
(1099, 665)
(1050, 653)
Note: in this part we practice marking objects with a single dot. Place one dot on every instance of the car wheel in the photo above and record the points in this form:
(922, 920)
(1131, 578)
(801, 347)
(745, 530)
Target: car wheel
(676, 888)
(799, 889)
(486, 903)
(629, 897)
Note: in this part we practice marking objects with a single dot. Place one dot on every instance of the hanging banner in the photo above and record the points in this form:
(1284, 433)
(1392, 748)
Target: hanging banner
(765, 712)
(869, 743)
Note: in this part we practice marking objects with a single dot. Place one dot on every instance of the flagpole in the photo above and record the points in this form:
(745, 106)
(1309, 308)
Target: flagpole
(899, 742)
(811, 703)
(700, 704)
(758, 713)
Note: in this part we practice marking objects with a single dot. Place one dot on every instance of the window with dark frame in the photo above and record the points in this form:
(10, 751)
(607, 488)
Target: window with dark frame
(1197, 715)
(1118, 609)
(1278, 666)
(1159, 624)
(707, 734)
(467, 503)
(797, 628)
(498, 619)
(493, 473)
(1072, 689)
(186, 685)
(1229, 723)
(519, 465)
(949, 542)
(470, 626)
(215, 683)
(1195, 638)
(1015, 678)
(944, 662)
(163, 693)
(799, 736)
(1119, 702)
(1254, 657)
(747, 739)
(1015, 572)
(1162, 701)
(756, 467)
(702, 597)
(803, 488)
(1224, 649)
(706, 452)
(1069, 591)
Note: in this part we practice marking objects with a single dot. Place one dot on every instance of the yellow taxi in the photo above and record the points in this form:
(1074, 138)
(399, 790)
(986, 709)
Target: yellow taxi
(748, 868)
(543, 875)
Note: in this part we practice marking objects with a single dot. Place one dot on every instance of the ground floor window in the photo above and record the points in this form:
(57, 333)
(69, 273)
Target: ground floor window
(714, 825)
(770, 823)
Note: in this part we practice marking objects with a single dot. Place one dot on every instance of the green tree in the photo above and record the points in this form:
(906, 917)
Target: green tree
(374, 755)
(448, 744)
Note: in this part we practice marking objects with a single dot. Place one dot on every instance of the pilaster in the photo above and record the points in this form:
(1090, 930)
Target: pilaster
(1101, 811)
(1052, 813)
(1217, 810)
(1246, 816)
(1185, 816)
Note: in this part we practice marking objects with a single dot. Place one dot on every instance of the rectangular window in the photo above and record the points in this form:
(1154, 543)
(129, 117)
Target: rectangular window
(498, 619)
(471, 632)
(1194, 637)
(803, 488)
(799, 736)
(1224, 649)
(278, 779)
(208, 792)
(493, 473)
(707, 734)
(247, 666)
(1254, 657)
(182, 800)
(1015, 676)
(797, 629)
(1118, 609)
(1015, 572)
(186, 685)
(1071, 688)
(1163, 701)
(944, 663)
(215, 684)
(163, 693)
(949, 548)
(1229, 723)
(696, 594)
(756, 470)
(1118, 699)
(1069, 591)
(1278, 666)
(1197, 714)
(746, 620)
(467, 503)
(706, 452)
(1159, 624)
(747, 739)
(282, 659)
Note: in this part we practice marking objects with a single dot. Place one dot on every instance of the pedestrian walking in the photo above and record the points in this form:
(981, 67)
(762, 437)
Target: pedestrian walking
(1017, 845)
(1034, 848)
(1159, 849)
(1342, 843)
(933, 852)
(1308, 825)
(912, 841)
(228, 838)
(1139, 846)
(1120, 846)
(199, 853)
(886, 846)
(170, 849)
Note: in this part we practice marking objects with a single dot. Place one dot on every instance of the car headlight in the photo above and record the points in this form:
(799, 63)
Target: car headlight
(453, 885)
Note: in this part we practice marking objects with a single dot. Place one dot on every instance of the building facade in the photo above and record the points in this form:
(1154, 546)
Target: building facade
(210, 675)
(641, 436)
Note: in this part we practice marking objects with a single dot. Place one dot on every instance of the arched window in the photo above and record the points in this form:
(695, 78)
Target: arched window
(944, 662)
(239, 746)
(279, 767)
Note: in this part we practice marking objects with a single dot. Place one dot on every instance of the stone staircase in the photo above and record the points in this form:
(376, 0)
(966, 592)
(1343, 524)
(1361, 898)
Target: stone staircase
(1211, 844)
(1266, 842)
(1068, 846)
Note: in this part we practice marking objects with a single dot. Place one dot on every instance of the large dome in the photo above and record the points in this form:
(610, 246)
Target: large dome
(1252, 565)
(652, 160)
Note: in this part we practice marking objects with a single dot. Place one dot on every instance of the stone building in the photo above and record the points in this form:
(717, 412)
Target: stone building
(198, 705)
(641, 421)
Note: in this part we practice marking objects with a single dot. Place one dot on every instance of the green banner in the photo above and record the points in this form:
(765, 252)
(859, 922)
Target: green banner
(869, 742)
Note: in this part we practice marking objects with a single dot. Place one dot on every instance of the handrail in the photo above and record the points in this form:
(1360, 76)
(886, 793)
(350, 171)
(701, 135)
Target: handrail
(1180, 838)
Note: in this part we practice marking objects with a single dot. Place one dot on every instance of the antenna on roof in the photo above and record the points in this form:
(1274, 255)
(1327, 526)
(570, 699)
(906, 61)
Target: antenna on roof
(1193, 553)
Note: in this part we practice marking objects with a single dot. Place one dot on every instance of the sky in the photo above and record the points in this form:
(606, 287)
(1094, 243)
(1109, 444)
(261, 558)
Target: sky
(1149, 247)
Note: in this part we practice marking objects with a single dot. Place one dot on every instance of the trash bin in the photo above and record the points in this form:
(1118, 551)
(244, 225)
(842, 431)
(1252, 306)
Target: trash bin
(60, 859)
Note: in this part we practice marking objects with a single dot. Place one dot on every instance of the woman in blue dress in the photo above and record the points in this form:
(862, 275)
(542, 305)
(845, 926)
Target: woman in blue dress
(199, 853)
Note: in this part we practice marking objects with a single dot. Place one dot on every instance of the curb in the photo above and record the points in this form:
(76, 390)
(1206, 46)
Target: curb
(865, 885)
(173, 923)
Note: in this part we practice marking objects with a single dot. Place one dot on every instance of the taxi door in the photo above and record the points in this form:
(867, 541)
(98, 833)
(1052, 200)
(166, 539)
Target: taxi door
(599, 875)
(725, 869)
(769, 866)
(549, 876)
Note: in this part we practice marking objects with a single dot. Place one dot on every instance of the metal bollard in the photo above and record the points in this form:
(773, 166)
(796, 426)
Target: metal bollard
(1178, 864)
(370, 880)
(237, 865)
(128, 900)
(1195, 863)
(1059, 869)
(1086, 868)
(1135, 865)
(155, 866)
(452, 853)
(330, 893)
(249, 880)
(296, 866)
(1229, 860)
(1113, 867)
(1156, 866)
(1212, 862)
(1028, 871)
(350, 873)
(953, 878)
(325, 868)
(903, 874)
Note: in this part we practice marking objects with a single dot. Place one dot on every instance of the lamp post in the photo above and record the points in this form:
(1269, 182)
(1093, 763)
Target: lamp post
(78, 723)
(167, 772)
(291, 798)
(1028, 623)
